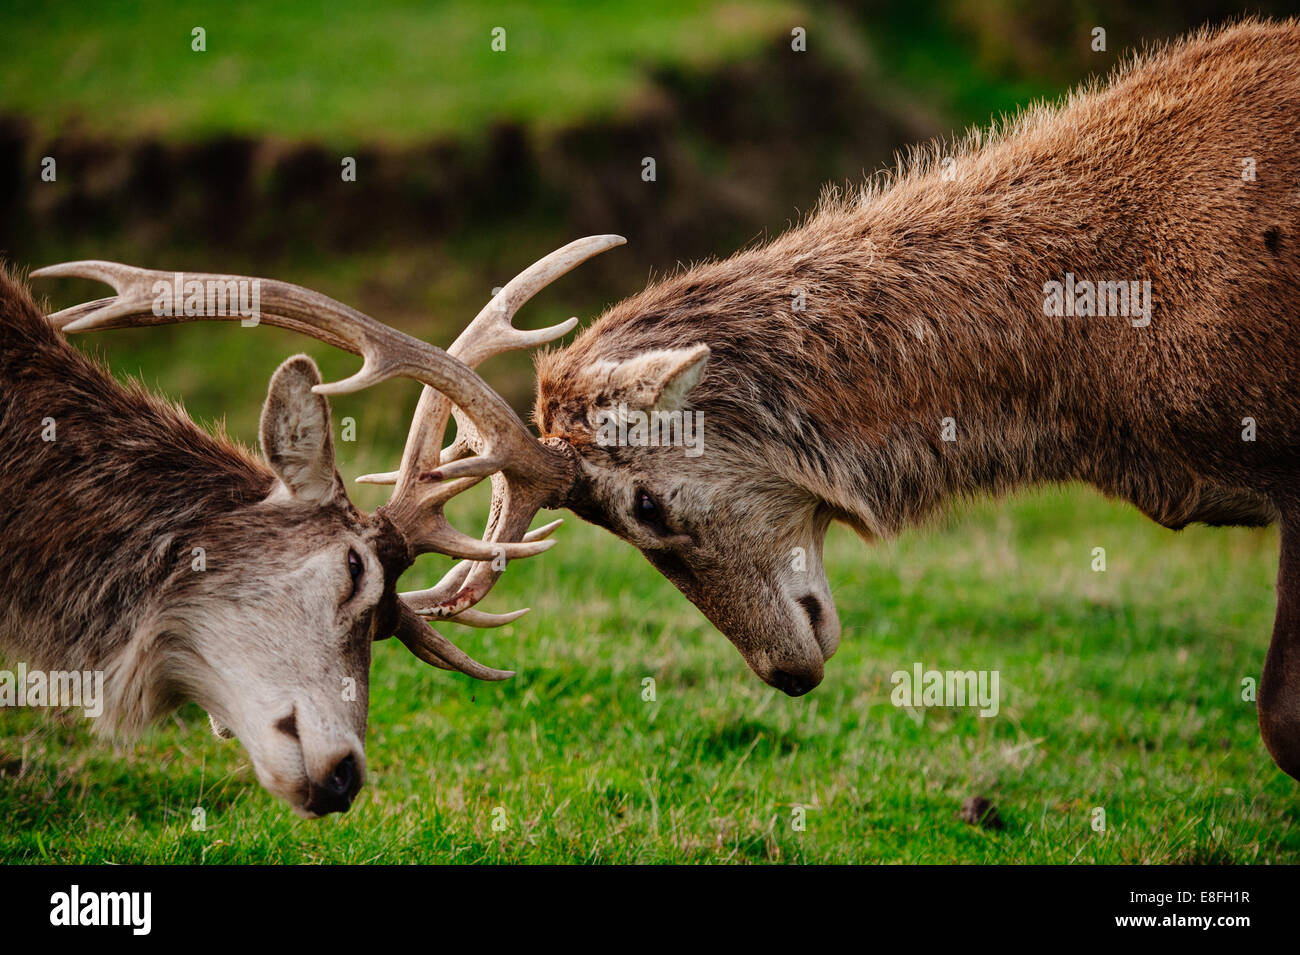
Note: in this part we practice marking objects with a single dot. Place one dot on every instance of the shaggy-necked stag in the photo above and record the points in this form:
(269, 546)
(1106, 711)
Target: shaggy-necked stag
(107, 494)
(1103, 291)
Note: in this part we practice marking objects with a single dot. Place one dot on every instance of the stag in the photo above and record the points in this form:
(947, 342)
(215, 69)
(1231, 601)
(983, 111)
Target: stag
(931, 357)
(104, 510)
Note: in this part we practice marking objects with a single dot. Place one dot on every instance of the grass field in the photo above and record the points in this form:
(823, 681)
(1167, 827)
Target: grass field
(389, 73)
(399, 72)
(1121, 691)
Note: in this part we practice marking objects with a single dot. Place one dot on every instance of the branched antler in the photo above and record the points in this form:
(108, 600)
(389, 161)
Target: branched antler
(491, 438)
(522, 487)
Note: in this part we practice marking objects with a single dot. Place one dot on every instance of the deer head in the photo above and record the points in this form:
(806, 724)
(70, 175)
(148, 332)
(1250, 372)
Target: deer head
(273, 638)
(717, 511)
(735, 515)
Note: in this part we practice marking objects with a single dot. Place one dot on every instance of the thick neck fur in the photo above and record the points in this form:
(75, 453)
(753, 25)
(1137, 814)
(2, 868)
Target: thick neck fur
(923, 300)
(100, 519)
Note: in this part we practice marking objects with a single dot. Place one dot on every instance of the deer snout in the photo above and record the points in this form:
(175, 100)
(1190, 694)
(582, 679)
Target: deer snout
(786, 639)
(824, 621)
(793, 668)
(336, 790)
(794, 682)
(795, 664)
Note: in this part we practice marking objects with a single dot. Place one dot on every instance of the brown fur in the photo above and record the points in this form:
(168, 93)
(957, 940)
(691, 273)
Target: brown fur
(925, 300)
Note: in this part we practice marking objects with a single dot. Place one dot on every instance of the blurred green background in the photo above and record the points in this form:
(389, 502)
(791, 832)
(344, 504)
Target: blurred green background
(1121, 689)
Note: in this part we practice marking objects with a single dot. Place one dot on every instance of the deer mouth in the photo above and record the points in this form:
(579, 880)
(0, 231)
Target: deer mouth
(793, 684)
(801, 671)
(293, 787)
(283, 757)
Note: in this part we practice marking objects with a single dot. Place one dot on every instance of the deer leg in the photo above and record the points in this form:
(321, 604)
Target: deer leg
(1279, 690)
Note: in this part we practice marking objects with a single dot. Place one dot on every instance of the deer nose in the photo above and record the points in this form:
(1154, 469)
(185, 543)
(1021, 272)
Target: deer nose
(336, 792)
(825, 625)
(793, 684)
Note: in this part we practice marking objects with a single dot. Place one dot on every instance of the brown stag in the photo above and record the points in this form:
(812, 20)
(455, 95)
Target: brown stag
(107, 493)
(979, 321)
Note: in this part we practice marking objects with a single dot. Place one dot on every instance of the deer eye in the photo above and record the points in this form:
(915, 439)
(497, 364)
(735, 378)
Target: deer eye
(648, 512)
(355, 569)
(646, 508)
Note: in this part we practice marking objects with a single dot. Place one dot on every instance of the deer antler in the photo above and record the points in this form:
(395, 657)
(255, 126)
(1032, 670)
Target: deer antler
(521, 488)
(528, 468)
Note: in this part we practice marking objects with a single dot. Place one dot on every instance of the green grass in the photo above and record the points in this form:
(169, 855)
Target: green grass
(1120, 690)
(339, 72)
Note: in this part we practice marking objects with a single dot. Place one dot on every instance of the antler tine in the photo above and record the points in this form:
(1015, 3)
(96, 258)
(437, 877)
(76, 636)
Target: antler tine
(522, 483)
(514, 505)
(138, 292)
(454, 579)
(483, 620)
(463, 446)
(436, 650)
(492, 332)
(443, 590)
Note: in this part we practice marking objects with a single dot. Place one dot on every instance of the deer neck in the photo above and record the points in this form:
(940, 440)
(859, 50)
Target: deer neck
(947, 370)
(104, 496)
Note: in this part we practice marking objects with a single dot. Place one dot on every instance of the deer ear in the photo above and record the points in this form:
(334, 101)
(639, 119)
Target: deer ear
(658, 380)
(296, 438)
